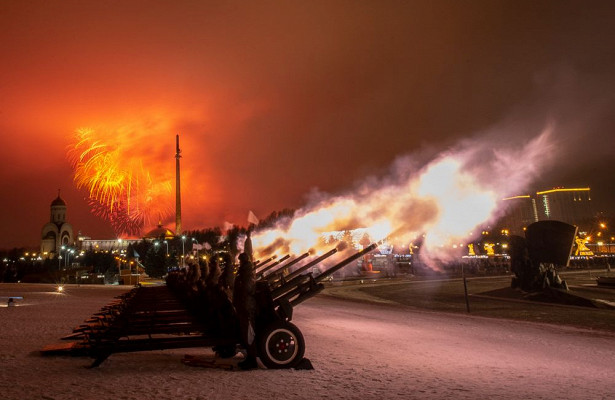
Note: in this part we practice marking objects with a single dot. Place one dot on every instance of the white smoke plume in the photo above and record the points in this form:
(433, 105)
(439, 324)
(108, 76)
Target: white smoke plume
(441, 202)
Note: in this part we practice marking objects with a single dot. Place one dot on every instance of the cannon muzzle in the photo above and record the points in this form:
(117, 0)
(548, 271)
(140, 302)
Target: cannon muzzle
(273, 276)
(294, 279)
(268, 267)
(310, 264)
(260, 264)
(305, 286)
(345, 262)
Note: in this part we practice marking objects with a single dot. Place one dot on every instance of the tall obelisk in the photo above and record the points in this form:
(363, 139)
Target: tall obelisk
(178, 196)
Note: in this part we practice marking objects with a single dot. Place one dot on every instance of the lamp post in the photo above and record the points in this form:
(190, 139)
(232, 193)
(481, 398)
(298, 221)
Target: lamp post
(68, 253)
(183, 252)
(167, 243)
(60, 257)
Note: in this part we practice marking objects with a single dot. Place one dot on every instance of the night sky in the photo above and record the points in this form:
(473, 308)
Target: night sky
(274, 99)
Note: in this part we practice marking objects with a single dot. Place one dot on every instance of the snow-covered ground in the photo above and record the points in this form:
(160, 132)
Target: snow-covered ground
(359, 351)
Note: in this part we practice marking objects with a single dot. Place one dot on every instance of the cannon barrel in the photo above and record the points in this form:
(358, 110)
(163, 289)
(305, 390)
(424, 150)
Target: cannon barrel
(277, 272)
(268, 267)
(306, 286)
(345, 262)
(273, 276)
(294, 279)
(299, 270)
(260, 264)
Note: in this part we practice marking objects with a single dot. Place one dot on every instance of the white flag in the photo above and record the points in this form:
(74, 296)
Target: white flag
(252, 218)
(227, 226)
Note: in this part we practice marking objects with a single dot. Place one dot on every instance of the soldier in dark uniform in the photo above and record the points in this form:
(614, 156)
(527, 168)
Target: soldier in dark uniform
(204, 268)
(211, 280)
(245, 306)
(227, 279)
(224, 312)
(247, 246)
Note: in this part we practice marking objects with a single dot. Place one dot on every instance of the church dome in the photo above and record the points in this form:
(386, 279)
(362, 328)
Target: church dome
(160, 232)
(58, 202)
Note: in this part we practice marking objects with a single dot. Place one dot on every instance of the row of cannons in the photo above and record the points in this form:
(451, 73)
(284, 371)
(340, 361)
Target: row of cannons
(190, 312)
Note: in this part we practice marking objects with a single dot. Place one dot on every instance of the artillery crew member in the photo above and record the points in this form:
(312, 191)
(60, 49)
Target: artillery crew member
(204, 268)
(211, 279)
(247, 246)
(245, 305)
(227, 279)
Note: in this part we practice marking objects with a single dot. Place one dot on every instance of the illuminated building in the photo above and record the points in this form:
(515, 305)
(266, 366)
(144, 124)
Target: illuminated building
(108, 245)
(568, 205)
(57, 232)
(159, 233)
(112, 245)
(573, 206)
(521, 211)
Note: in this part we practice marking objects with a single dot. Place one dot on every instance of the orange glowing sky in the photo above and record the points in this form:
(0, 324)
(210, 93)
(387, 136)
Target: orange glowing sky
(273, 99)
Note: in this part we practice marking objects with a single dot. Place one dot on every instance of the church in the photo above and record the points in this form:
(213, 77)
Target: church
(57, 232)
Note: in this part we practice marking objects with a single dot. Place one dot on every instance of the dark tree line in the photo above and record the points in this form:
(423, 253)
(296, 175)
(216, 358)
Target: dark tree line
(15, 267)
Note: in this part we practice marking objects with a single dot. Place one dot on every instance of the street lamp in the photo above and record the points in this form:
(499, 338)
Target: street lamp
(60, 257)
(157, 243)
(68, 253)
(183, 251)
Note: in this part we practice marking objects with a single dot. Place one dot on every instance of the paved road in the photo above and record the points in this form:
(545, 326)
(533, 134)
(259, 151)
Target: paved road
(359, 351)
(390, 351)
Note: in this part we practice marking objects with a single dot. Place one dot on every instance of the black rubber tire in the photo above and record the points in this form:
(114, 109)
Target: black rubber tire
(281, 345)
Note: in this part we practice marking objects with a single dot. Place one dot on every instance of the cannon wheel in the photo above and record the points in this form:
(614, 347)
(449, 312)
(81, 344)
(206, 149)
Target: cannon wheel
(281, 345)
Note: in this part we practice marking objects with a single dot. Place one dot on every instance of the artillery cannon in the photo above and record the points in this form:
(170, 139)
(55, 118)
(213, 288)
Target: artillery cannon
(260, 272)
(152, 318)
(262, 263)
(279, 272)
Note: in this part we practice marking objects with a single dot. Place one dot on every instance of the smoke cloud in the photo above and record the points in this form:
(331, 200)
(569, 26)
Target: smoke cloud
(442, 201)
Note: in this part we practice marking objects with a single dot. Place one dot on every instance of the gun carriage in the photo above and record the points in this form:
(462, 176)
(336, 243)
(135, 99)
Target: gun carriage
(154, 318)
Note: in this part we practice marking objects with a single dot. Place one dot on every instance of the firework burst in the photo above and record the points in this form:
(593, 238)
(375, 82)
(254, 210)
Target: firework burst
(119, 188)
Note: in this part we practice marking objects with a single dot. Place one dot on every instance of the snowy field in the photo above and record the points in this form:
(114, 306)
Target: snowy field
(359, 351)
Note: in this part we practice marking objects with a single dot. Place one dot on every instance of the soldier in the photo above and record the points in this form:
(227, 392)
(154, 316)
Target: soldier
(210, 289)
(247, 246)
(204, 268)
(224, 313)
(211, 280)
(245, 305)
(227, 279)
